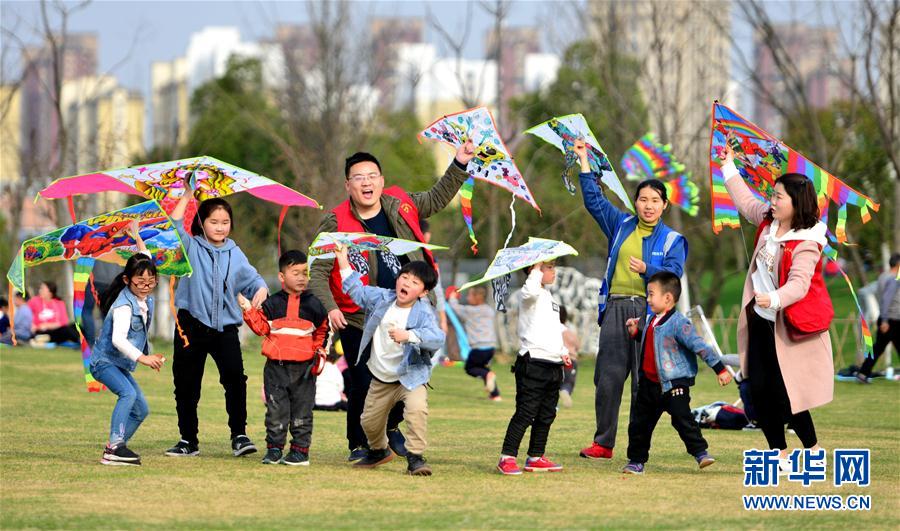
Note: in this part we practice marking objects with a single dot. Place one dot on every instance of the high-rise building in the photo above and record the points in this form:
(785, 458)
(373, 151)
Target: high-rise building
(509, 49)
(169, 99)
(40, 124)
(11, 133)
(813, 52)
(387, 35)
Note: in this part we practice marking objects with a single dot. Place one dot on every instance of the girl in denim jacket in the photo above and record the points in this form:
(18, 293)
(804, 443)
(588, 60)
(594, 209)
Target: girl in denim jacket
(122, 344)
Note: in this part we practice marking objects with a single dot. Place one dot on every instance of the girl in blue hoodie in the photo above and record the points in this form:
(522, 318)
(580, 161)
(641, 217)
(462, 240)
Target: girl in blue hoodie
(121, 345)
(208, 318)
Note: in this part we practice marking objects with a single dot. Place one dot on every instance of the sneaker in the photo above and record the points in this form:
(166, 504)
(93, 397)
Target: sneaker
(119, 455)
(241, 445)
(183, 449)
(596, 451)
(273, 456)
(784, 466)
(497, 398)
(704, 459)
(375, 458)
(397, 442)
(296, 457)
(490, 382)
(416, 465)
(360, 452)
(633, 468)
(861, 378)
(565, 399)
(508, 467)
(541, 464)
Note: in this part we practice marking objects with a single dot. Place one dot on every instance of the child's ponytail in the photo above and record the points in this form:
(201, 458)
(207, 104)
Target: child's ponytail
(137, 264)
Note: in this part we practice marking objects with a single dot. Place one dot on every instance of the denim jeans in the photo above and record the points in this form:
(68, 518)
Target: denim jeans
(131, 407)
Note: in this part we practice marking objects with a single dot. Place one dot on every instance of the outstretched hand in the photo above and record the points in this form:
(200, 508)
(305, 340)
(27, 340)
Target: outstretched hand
(244, 303)
(728, 152)
(724, 378)
(466, 152)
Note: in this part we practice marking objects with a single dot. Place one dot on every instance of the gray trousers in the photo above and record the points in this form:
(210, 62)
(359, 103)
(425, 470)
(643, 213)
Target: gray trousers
(290, 397)
(617, 356)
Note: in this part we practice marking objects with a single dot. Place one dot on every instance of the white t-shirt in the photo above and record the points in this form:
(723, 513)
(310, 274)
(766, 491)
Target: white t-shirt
(121, 316)
(540, 332)
(386, 353)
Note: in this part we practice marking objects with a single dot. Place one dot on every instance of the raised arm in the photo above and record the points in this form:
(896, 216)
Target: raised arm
(532, 287)
(607, 216)
(320, 276)
(366, 297)
(747, 204)
(439, 196)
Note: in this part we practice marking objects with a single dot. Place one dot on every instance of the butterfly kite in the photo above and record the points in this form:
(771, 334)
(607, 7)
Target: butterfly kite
(514, 258)
(648, 159)
(104, 238)
(761, 158)
(164, 182)
(492, 162)
(359, 242)
(562, 132)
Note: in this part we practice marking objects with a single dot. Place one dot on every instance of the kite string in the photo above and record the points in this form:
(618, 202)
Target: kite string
(512, 229)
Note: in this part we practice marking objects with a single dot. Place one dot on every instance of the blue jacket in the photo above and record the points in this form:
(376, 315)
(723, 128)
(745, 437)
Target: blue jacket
(664, 250)
(220, 273)
(415, 368)
(676, 346)
(138, 333)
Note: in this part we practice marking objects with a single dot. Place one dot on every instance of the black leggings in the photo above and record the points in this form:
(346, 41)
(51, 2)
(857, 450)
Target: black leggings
(770, 398)
(881, 343)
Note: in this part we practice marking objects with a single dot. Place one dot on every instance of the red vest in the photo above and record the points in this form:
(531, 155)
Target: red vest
(347, 222)
(813, 313)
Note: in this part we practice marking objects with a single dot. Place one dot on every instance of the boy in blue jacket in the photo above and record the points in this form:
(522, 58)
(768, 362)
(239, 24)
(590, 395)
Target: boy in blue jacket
(404, 333)
(668, 366)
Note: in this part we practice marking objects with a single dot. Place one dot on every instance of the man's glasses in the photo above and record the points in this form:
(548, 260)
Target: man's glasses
(359, 177)
(144, 283)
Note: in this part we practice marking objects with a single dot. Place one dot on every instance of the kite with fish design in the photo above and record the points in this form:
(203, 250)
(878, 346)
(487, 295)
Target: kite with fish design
(325, 243)
(104, 238)
(492, 162)
(562, 132)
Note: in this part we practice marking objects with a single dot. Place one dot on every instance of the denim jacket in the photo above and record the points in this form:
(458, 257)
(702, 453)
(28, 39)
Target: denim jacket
(664, 250)
(415, 368)
(138, 333)
(676, 346)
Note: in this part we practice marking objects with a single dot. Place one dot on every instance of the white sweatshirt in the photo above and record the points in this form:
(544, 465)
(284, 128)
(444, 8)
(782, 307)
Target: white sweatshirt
(540, 332)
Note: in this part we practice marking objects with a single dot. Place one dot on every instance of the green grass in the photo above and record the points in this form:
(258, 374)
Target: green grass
(52, 432)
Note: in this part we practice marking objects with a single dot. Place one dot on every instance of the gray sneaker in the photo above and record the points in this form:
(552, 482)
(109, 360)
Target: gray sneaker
(273, 456)
(241, 445)
(296, 457)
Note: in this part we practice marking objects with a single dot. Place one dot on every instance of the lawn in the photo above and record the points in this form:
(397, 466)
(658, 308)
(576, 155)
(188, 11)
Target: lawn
(52, 432)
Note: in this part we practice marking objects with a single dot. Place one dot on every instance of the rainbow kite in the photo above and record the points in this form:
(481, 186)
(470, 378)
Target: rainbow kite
(761, 158)
(465, 200)
(648, 159)
(492, 163)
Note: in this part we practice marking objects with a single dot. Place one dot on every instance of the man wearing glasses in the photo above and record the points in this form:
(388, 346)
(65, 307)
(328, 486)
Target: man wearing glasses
(372, 208)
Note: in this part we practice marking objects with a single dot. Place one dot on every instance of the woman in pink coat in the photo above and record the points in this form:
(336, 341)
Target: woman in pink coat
(789, 374)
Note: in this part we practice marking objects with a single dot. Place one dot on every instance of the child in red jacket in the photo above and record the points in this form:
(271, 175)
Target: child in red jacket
(294, 323)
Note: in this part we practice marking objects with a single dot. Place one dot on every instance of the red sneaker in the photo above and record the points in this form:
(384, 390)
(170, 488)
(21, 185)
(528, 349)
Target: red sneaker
(541, 464)
(508, 467)
(595, 451)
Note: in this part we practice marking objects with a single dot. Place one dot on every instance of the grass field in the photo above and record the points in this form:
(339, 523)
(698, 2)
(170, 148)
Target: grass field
(52, 432)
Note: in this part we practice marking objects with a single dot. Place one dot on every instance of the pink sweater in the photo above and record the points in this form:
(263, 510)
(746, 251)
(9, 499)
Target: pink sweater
(52, 312)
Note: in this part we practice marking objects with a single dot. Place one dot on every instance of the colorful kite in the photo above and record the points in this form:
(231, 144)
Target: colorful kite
(359, 242)
(102, 237)
(512, 259)
(562, 132)
(164, 182)
(492, 162)
(648, 159)
(761, 158)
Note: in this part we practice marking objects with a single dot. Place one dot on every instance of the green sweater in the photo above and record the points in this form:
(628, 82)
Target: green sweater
(625, 281)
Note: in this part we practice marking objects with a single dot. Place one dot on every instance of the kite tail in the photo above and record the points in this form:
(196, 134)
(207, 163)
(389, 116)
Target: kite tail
(465, 200)
(865, 333)
(512, 212)
(12, 314)
(81, 279)
(174, 311)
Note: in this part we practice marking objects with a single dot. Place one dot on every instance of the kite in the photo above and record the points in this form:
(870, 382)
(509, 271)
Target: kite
(761, 159)
(359, 242)
(492, 162)
(562, 132)
(512, 259)
(102, 237)
(648, 159)
(164, 182)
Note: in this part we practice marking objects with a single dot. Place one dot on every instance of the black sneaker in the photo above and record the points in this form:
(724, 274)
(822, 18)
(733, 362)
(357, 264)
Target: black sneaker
(360, 452)
(397, 442)
(296, 457)
(375, 458)
(119, 455)
(241, 445)
(416, 465)
(273, 456)
(183, 449)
